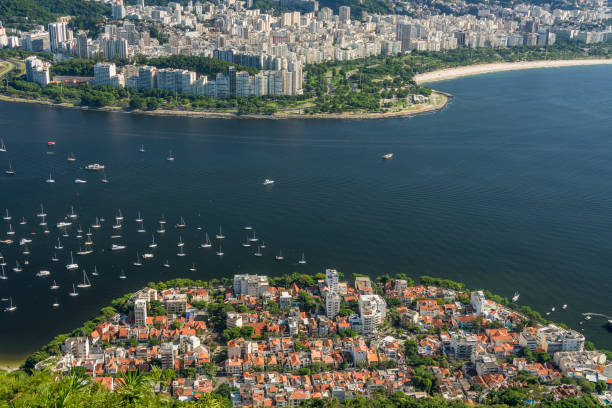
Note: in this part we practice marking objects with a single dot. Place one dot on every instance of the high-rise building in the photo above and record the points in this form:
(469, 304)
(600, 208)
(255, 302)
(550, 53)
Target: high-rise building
(332, 305)
(58, 34)
(344, 14)
(81, 50)
(118, 10)
(106, 74)
(140, 312)
(37, 71)
(331, 279)
(147, 77)
(373, 310)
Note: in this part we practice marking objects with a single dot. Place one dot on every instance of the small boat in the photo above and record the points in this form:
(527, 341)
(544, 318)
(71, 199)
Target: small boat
(104, 179)
(268, 182)
(50, 143)
(72, 265)
(116, 247)
(42, 273)
(137, 261)
(553, 309)
(220, 250)
(10, 231)
(54, 258)
(86, 283)
(258, 252)
(10, 171)
(253, 238)
(153, 244)
(139, 218)
(50, 179)
(206, 243)
(11, 307)
(55, 286)
(564, 307)
(3, 275)
(147, 255)
(42, 212)
(26, 250)
(387, 156)
(71, 157)
(58, 245)
(302, 260)
(2, 146)
(142, 149)
(80, 181)
(170, 156)
(516, 296)
(180, 243)
(7, 216)
(17, 267)
(122, 276)
(246, 243)
(181, 252)
(588, 317)
(23, 221)
(94, 167)
(193, 268)
(119, 216)
(248, 227)
(96, 224)
(95, 271)
(181, 223)
(263, 245)
(72, 214)
(55, 303)
(166, 264)
(280, 256)
(74, 292)
(220, 234)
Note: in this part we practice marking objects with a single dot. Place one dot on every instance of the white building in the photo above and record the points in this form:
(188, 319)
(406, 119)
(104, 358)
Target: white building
(372, 310)
(140, 312)
(478, 301)
(331, 279)
(332, 305)
(37, 71)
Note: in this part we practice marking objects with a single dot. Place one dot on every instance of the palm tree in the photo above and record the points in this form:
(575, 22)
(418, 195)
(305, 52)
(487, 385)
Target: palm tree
(132, 385)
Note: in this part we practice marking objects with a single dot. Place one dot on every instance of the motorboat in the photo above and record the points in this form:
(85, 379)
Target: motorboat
(268, 182)
(42, 273)
(94, 167)
(116, 247)
(387, 156)
(80, 181)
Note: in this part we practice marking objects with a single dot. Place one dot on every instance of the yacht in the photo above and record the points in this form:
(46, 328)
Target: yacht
(153, 244)
(72, 265)
(42, 273)
(7, 216)
(95, 272)
(180, 243)
(96, 224)
(181, 223)
(55, 286)
(10, 171)
(2, 146)
(170, 156)
(86, 283)
(220, 250)
(516, 296)
(387, 156)
(50, 179)
(302, 260)
(3, 276)
(280, 256)
(71, 157)
(142, 149)
(206, 243)
(258, 252)
(55, 303)
(11, 307)
(147, 255)
(58, 245)
(193, 268)
(80, 181)
(116, 247)
(220, 234)
(181, 252)
(17, 267)
(122, 276)
(137, 262)
(74, 292)
(268, 182)
(94, 167)
(166, 264)
(564, 307)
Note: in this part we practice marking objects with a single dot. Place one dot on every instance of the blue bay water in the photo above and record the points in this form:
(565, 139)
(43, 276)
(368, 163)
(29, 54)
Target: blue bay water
(509, 188)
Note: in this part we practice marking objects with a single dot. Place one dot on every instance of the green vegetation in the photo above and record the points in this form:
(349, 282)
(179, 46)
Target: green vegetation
(358, 7)
(200, 65)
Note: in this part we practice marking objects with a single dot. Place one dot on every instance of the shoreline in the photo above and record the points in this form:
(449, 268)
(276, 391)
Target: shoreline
(407, 112)
(479, 69)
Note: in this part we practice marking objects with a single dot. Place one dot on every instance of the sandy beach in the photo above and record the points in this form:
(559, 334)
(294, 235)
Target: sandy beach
(451, 73)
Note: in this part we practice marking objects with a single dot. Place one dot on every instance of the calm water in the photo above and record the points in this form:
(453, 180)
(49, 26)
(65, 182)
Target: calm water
(509, 188)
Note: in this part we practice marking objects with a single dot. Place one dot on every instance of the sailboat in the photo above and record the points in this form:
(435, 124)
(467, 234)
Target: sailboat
(180, 243)
(206, 243)
(54, 258)
(10, 171)
(139, 218)
(248, 227)
(42, 212)
(220, 234)
(2, 260)
(11, 307)
(17, 267)
(263, 245)
(43, 222)
(71, 157)
(23, 221)
(50, 179)
(220, 250)
(72, 265)
(564, 307)
(181, 223)
(10, 231)
(137, 262)
(280, 256)
(141, 227)
(153, 244)
(170, 156)
(86, 283)
(302, 260)
(3, 276)
(117, 225)
(122, 276)
(59, 244)
(166, 264)
(246, 243)
(104, 178)
(55, 286)
(119, 216)
(142, 149)
(117, 247)
(26, 250)
(254, 238)
(95, 271)
(181, 252)
(516, 296)
(2, 146)
(7, 216)
(96, 223)
(55, 303)
(72, 214)
(258, 252)
(193, 268)
(161, 229)
(74, 292)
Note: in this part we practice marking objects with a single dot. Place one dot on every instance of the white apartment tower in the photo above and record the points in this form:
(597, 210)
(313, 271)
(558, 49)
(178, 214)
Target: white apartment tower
(140, 312)
(331, 279)
(332, 305)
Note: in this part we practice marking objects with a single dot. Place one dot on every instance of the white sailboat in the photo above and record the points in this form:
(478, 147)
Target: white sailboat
(153, 244)
(2, 146)
(26, 250)
(246, 243)
(59, 244)
(139, 218)
(516, 296)
(181, 252)
(258, 252)
(193, 268)
(180, 243)
(170, 156)
(166, 264)
(42, 212)
(55, 303)
(10, 171)
(263, 245)
(3, 275)
(220, 234)
(254, 237)
(206, 243)
(141, 227)
(17, 267)
(74, 292)
(72, 214)
(142, 149)
(11, 307)
(95, 271)
(302, 260)
(71, 157)
(248, 227)
(96, 224)
(161, 228)
(50, 180)
(43, 221)
(280, 256)
(23, 221)
(7, 217)
(181, 223)
(220, 250)
(54, 258)
(122, 276)
(117, 247)
(119, 216)
(80, 181)
(86, 283)
(72, 265)
(10, 231)
(104, 179)
(137, 262)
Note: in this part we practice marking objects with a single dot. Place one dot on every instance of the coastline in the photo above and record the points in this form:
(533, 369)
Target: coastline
(411, 111)
(470, 70)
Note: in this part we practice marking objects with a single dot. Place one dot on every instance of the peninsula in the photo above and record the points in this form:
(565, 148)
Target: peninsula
(303, 340)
